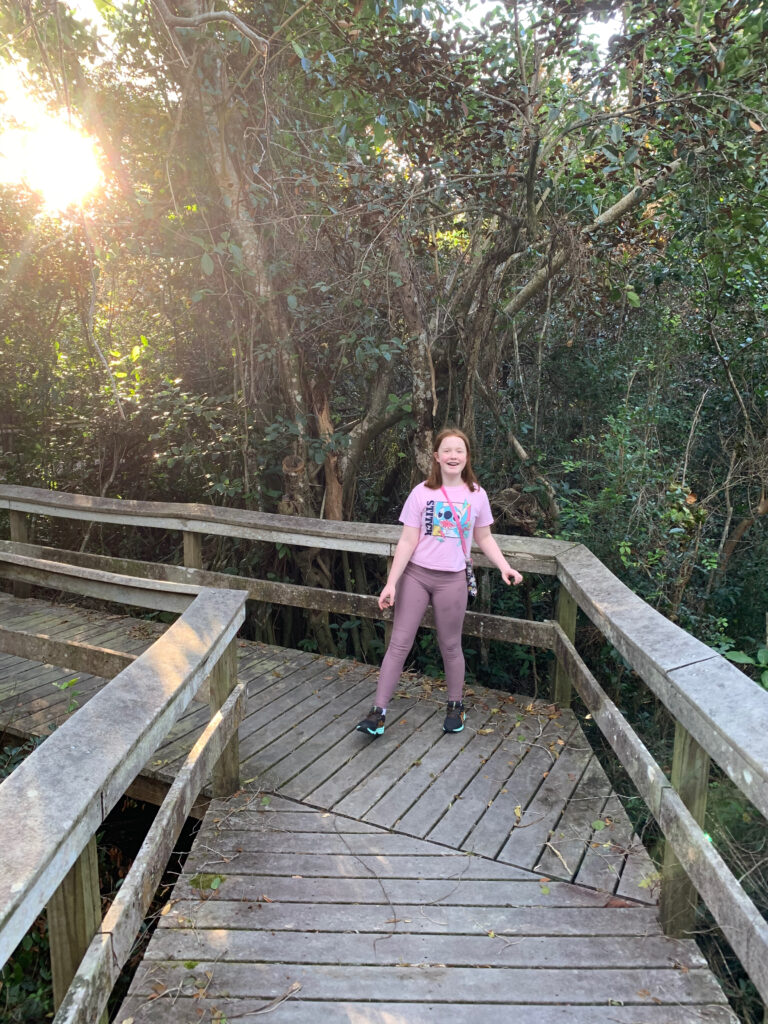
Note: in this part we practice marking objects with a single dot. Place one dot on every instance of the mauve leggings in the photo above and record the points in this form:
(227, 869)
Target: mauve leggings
(415, 589)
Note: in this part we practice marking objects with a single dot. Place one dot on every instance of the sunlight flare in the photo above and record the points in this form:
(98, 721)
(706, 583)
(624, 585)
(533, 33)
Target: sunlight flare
(46, 152)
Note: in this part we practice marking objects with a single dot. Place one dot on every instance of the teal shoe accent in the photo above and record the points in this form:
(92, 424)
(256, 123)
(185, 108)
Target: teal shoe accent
(373, 723)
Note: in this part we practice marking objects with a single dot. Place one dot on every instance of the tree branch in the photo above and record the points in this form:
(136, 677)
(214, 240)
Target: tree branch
(206, 18)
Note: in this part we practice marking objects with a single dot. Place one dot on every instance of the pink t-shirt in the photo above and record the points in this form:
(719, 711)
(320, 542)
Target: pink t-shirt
(439, 545)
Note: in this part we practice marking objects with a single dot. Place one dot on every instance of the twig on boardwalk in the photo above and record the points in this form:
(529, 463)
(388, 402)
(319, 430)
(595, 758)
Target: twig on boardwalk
(291, 990)
(560, 857)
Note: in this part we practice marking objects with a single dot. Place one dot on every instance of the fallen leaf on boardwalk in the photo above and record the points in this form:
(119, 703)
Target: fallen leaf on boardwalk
(494, 711)
(544, 775)
(484, 732)
(297, 876)
(167, 908)
(158, 989)
(127, 1020)
(518, 812)
(561, 743)
(505, 790)
(266, 899)
(643, 993)
(491, 934)
(615, 901)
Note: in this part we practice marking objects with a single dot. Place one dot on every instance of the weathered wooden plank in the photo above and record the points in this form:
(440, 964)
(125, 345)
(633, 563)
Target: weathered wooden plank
(491, 781)
(19, 535)
(573, 832)
(492, 830)
(378, 844)
(604, 856)
(297, 1010)
(366, 760)
(430, 982)
(260, 676)
(413, 918)
(78, 657)
(383, 779)
(566, 618)
(269, 819)
(528, 835)
(74, 915)
(292, 698)
(331, 717)
(303, 947)
(471, 753)
(325, 760)
(172, 597)
(640, 877)
(353, 865)
(455, 892)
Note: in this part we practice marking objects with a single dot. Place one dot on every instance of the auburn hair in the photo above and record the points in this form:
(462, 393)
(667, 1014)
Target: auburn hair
(435, 479)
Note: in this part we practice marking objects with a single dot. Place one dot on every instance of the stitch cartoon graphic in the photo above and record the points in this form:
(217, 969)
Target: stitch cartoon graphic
(443, 522)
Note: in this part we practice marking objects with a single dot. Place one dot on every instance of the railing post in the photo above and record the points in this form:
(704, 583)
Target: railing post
(193, 550)
(223, 679)
(20, 535)
(566, 617)
(74, 917)
(690, 777)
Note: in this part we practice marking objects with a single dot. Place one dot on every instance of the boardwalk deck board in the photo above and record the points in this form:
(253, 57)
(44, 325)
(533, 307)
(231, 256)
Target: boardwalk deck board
(414, 866)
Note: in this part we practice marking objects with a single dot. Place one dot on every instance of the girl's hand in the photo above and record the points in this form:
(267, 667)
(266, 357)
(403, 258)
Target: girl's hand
(510, 575)
(387, 597)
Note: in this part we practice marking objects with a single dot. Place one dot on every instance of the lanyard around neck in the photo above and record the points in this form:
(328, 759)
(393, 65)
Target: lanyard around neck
(458, 522)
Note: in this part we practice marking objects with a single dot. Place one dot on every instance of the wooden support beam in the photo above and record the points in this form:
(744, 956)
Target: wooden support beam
(690, 777)
(19, 535)
(222, 681)
(193, 550)
(74, 917)
(567, 608)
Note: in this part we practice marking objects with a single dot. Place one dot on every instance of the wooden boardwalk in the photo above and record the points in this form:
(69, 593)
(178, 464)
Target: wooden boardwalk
(395, 880)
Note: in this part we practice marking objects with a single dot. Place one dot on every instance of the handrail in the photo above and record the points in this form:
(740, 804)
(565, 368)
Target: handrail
(720, 707)
(69, 784)
(535, 554)
(717, 709)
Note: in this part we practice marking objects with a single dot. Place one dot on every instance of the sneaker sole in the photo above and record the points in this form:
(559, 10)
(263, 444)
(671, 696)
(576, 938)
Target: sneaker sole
(454, 730)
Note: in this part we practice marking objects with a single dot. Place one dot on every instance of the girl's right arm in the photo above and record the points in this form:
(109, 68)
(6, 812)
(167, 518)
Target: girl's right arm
(409, 538)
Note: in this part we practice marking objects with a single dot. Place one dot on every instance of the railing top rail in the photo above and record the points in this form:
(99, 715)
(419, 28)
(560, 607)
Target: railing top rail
(142, 593)
(535, 554)
(724, 711)
(55, 800)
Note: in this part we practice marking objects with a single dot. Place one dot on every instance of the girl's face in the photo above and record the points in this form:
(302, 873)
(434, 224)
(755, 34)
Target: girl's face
(451, 456)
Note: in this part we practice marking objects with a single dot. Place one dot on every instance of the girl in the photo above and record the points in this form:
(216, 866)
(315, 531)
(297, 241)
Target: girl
(439, 519)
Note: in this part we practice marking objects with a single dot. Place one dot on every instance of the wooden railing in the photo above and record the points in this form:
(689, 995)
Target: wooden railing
(719, 713)
(53, 803)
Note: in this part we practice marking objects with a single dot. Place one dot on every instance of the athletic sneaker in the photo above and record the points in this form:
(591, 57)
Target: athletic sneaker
(455, 715)
(373, 723)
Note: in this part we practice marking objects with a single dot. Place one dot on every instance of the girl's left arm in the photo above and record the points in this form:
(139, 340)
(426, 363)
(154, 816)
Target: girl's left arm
(492, 551)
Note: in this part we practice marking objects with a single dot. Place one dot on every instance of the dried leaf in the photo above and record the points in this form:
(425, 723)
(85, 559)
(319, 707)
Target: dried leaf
(518, 812)
(755, 126)
(266, 899)
(484, 732)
